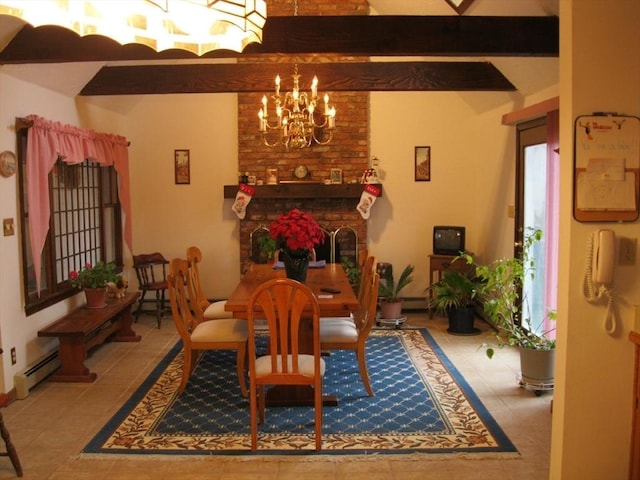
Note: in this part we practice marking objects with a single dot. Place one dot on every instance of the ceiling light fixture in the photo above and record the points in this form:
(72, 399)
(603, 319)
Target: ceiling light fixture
(298, 121)
(198, 26)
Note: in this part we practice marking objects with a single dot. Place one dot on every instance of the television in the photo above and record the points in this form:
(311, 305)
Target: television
(448, 240)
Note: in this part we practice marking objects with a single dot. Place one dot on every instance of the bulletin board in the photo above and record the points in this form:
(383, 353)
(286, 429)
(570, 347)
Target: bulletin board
(606, 168)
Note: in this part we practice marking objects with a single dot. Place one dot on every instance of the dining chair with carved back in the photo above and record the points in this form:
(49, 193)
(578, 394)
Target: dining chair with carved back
(351, 333)
(210, 310)
(286, 307)
(199, 334)
(151, 272)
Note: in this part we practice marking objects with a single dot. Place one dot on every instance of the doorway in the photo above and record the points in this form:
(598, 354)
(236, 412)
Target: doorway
(537, 191)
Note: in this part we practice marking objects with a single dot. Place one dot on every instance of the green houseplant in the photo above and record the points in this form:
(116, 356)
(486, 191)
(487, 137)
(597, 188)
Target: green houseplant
(500, 293)
(454, 296)
(389, 290)
(93, 280)
(267, 247)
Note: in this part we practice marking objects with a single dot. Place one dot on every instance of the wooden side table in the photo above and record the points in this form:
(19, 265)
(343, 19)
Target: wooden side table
(439, 264)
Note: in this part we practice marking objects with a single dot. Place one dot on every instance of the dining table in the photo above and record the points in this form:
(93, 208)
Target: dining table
(339, 303)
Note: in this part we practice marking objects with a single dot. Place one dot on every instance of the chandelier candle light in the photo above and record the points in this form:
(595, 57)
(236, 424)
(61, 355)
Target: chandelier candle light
(298, 122)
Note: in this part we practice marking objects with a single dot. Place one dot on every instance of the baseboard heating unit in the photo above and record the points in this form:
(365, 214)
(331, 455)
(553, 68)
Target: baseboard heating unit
(31, 376)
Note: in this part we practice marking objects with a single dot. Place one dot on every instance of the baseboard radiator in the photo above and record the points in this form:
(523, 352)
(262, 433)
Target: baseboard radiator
(31, 376)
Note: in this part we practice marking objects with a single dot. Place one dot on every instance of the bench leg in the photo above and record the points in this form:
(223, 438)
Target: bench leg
(72, 354)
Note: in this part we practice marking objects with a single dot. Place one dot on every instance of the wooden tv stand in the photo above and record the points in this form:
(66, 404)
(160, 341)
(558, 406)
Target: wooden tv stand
(84, 328)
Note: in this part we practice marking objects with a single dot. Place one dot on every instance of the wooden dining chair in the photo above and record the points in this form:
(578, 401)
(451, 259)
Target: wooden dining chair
(151, 272)
(351, 333)
(210, 310)
(290, 309)
(198, 334)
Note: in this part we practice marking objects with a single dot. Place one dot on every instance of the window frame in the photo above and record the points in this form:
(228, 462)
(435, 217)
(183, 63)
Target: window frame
(110, 232)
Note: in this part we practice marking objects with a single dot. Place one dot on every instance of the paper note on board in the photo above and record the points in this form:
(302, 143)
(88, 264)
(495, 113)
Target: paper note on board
(598, 192)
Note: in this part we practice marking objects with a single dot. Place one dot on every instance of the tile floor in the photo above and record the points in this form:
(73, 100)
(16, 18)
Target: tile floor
(51, 426)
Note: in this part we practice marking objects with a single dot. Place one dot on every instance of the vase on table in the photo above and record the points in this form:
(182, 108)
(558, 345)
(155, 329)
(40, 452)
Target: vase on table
(96, 297)
(296, 264)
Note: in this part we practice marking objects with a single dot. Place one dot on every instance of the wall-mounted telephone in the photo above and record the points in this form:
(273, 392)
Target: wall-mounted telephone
(598, 277)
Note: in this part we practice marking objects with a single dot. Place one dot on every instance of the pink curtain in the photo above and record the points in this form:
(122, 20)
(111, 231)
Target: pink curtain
(552, 217)
(48, 140)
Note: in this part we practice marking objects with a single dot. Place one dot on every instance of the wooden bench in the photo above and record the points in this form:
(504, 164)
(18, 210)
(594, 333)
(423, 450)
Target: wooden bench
(85, 328)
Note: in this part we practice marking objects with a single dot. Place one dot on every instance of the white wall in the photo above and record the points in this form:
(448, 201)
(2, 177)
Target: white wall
(19, 99)
(472, 174)
(169, 218)
(594, 371)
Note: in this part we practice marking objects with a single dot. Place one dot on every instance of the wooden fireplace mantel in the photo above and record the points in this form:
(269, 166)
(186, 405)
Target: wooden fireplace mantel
(302, 190)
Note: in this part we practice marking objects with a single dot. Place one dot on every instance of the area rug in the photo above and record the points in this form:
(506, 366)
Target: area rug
(421, 404)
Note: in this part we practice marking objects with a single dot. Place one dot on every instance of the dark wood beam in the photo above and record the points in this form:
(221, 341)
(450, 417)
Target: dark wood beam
(342, 35)
(367, 76)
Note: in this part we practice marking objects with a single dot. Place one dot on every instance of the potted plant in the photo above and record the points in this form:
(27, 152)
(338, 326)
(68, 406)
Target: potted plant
(389, 290)
(267, 248)
(503, 303)
(353, 272)
(454, 296)
(296, 233)
(93, 279)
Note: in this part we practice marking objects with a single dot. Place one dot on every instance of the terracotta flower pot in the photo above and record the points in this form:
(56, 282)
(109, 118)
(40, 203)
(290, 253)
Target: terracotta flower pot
(96, 297)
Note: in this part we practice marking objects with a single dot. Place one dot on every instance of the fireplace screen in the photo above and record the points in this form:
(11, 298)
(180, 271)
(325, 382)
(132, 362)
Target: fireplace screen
(340, 245)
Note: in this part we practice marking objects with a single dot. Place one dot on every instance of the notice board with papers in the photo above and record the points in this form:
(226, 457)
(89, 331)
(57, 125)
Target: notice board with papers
(606, 182)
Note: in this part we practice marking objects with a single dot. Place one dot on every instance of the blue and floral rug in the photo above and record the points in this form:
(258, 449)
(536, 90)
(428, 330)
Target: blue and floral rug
(421, 404)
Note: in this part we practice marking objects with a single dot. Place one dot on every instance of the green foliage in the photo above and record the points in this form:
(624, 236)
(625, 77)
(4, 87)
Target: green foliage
(454, 290)
(267, 246)
(499, 293)
(353, 272)
(94, 276)
(388, 289)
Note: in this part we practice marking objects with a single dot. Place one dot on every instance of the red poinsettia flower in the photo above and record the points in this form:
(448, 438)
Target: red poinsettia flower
(296, 230)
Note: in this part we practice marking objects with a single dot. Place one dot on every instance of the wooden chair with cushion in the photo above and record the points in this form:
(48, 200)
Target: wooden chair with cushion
(292, 317)
(210, 310)
(198, 334)
(151, 271)
(351, 333)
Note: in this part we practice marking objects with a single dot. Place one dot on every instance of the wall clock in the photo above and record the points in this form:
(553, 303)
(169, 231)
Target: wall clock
(8, 163)
(301, 172)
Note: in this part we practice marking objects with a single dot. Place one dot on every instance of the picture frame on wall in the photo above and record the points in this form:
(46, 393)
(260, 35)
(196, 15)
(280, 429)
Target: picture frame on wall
(335, 174)
(182, 166)
(422, 162)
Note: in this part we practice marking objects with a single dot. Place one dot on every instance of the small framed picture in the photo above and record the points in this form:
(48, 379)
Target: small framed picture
(422, 164)
(251, 179)
(336, 175)
(272, 176)
(182, 167)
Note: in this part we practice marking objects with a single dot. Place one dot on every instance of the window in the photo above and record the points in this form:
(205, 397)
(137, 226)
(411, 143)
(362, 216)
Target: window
(85, 226)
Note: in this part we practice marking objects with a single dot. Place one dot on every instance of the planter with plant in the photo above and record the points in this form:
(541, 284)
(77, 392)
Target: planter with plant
(93, 279)
(389, 290)
(504, 304)
(267, 248)
(454, 296)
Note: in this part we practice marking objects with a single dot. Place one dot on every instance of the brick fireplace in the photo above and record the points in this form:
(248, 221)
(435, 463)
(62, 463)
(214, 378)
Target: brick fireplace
(349, 150)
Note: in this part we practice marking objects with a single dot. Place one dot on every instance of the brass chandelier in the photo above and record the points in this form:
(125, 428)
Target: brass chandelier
(299, 120)
(198, 26)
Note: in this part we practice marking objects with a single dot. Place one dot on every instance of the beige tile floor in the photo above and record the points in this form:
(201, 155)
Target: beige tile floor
(51, 426)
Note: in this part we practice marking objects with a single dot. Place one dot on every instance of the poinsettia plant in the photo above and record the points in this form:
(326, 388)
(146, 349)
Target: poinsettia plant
(296, 230)
(94, 276)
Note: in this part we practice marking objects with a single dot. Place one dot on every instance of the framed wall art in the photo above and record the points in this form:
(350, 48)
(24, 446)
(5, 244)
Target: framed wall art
(182, 167)
(422, 163)
(272, 176)
(336, 175)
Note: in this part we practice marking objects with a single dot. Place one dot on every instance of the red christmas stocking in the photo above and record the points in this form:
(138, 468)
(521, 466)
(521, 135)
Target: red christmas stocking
(243, 197)
(367, 199)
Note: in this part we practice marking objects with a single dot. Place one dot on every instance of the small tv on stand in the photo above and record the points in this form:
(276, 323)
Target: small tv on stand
(448, 240)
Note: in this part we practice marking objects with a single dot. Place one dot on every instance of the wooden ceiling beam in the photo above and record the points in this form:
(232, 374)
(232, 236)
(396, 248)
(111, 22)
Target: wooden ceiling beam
(334, 77)
(342, 35)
